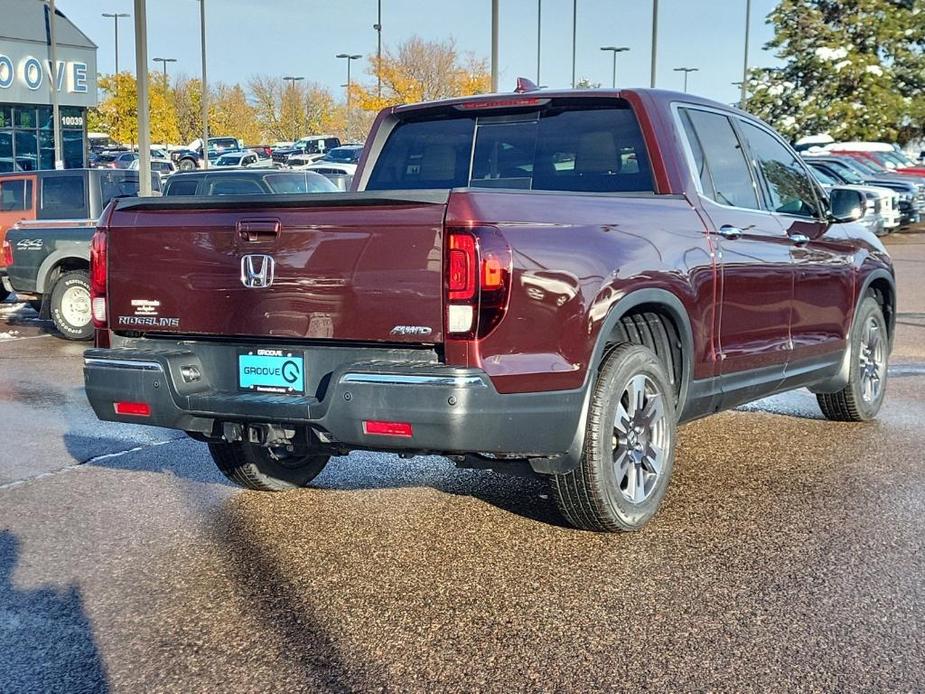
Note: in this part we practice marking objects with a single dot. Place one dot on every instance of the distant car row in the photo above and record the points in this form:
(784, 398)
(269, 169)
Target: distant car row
(893, 184)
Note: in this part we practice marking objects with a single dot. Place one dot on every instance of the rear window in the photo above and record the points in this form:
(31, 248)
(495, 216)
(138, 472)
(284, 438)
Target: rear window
(233, 186)
(577, 148)
(63, 197)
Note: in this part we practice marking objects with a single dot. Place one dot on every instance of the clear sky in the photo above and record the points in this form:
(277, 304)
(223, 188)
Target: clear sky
(301, 37)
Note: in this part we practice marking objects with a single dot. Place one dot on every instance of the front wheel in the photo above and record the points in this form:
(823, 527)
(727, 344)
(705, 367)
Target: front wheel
(70, 305)
(266, 469)
(629, 446)
(861, 399)
(186, 165)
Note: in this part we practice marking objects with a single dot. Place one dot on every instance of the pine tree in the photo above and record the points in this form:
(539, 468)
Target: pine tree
(854, 69)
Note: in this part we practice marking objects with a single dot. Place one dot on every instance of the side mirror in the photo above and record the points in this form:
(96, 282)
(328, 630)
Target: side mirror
(846, 205)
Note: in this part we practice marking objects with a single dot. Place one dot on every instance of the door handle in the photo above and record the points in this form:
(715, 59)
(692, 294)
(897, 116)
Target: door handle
(257, 230)
(727, 231)
(799, 239)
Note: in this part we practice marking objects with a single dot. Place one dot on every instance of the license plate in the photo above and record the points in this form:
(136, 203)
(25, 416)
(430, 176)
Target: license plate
(271, 371)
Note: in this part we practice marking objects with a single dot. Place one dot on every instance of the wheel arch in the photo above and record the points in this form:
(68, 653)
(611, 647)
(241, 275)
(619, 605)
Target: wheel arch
(57, 263)
(659, 301)
(882, 285)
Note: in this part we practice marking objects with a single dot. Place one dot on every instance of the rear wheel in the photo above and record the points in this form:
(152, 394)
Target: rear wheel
(266, 469)
(629, 446)
(186, 165)
(70, 305)
(862, 398)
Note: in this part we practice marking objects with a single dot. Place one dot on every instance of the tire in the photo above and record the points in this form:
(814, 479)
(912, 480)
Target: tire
(186, 165)
(602, 492)
(254, 467)
(70, 305)
(861, 399)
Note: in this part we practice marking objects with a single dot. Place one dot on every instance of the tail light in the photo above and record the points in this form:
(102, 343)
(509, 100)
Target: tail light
(478, 281)
(98, 276)
(6, 257)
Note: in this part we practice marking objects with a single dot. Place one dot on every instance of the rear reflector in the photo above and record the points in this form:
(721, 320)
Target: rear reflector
(136, 409)
(377, 428)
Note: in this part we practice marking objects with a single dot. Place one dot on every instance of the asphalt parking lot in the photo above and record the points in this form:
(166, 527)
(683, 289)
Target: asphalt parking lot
(790, 554)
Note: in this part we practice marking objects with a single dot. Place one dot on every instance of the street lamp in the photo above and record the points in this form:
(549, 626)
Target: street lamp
(539, 37)
(292, 80)
(378, 29)
(495, 42)
(654, 42)
(164, 62)
(349, 58)
(144, 115)
(574, 37)
(615, 49)
(748, 21)
(204, 97)
(686, 71)
(116, 16)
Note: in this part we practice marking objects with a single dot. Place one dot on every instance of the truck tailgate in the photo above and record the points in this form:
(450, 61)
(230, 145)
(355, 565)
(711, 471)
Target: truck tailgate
(351, 266)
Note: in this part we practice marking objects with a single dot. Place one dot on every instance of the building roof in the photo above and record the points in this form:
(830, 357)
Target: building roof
(24, 20)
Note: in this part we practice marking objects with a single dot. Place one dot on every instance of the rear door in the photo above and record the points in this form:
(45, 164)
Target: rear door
(345, 267)
(757, 275)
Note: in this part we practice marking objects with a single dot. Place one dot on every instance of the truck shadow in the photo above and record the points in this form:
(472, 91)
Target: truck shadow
(45, 636)
(526, 496)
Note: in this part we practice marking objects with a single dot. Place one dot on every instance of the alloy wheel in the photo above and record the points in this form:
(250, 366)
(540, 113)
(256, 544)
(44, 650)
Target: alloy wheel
(640, 439)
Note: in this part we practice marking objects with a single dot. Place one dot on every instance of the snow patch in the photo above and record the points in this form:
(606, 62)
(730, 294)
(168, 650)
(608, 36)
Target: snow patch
(824, 53)
(11, 335)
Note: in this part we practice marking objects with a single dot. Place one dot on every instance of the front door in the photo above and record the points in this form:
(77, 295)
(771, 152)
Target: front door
(754, 259)
(17, 201)
(822, 256)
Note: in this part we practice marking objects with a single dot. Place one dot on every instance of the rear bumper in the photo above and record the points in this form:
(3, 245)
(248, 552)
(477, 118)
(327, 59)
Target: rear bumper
(5, 280)
(450, 409)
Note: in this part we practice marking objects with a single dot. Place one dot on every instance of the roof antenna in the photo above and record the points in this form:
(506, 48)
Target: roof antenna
(524, 85)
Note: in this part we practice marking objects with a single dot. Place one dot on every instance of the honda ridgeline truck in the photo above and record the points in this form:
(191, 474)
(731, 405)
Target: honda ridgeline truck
(552, 279)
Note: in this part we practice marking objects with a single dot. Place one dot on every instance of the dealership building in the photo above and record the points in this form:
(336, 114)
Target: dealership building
(26, 124)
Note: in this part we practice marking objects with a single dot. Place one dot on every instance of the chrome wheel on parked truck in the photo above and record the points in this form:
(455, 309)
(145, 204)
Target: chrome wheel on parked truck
(862, 398)
(629, 446)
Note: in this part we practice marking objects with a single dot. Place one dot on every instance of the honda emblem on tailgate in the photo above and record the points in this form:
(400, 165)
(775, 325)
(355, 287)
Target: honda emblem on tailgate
(257, 271)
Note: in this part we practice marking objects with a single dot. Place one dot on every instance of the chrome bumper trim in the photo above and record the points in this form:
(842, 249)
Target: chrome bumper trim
(413, 380)
(131, 364)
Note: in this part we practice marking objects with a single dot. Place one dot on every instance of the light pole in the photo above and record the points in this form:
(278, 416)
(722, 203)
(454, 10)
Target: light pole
(615, 49)
(164, 62)
(378, 27)
(574, 37)
(204, 97)
(539, 37)
(144, 117)
(349, 57)
(495, 11)
(53, 55)
(116, 16)
(748, 17)
(686, 71)
(654, 42)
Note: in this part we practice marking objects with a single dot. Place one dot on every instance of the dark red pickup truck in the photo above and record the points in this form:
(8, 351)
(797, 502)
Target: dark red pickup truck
(551, 278)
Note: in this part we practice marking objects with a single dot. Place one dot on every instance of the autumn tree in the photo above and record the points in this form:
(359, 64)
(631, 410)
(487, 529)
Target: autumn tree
(852, 68)
(230, 114)
(117, 114)
(187, 96)
(419, 70)
(288, 111)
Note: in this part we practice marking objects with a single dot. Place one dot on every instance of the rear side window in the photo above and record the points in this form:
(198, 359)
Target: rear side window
(299, 182)
(63, 197)
(722, 167)
(182, 186)
(582, 148)
(15, 195)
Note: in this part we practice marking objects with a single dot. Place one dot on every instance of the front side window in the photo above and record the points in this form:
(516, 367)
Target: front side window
(790, 188)
(15, 195)
(582, 148)
(723, 171)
